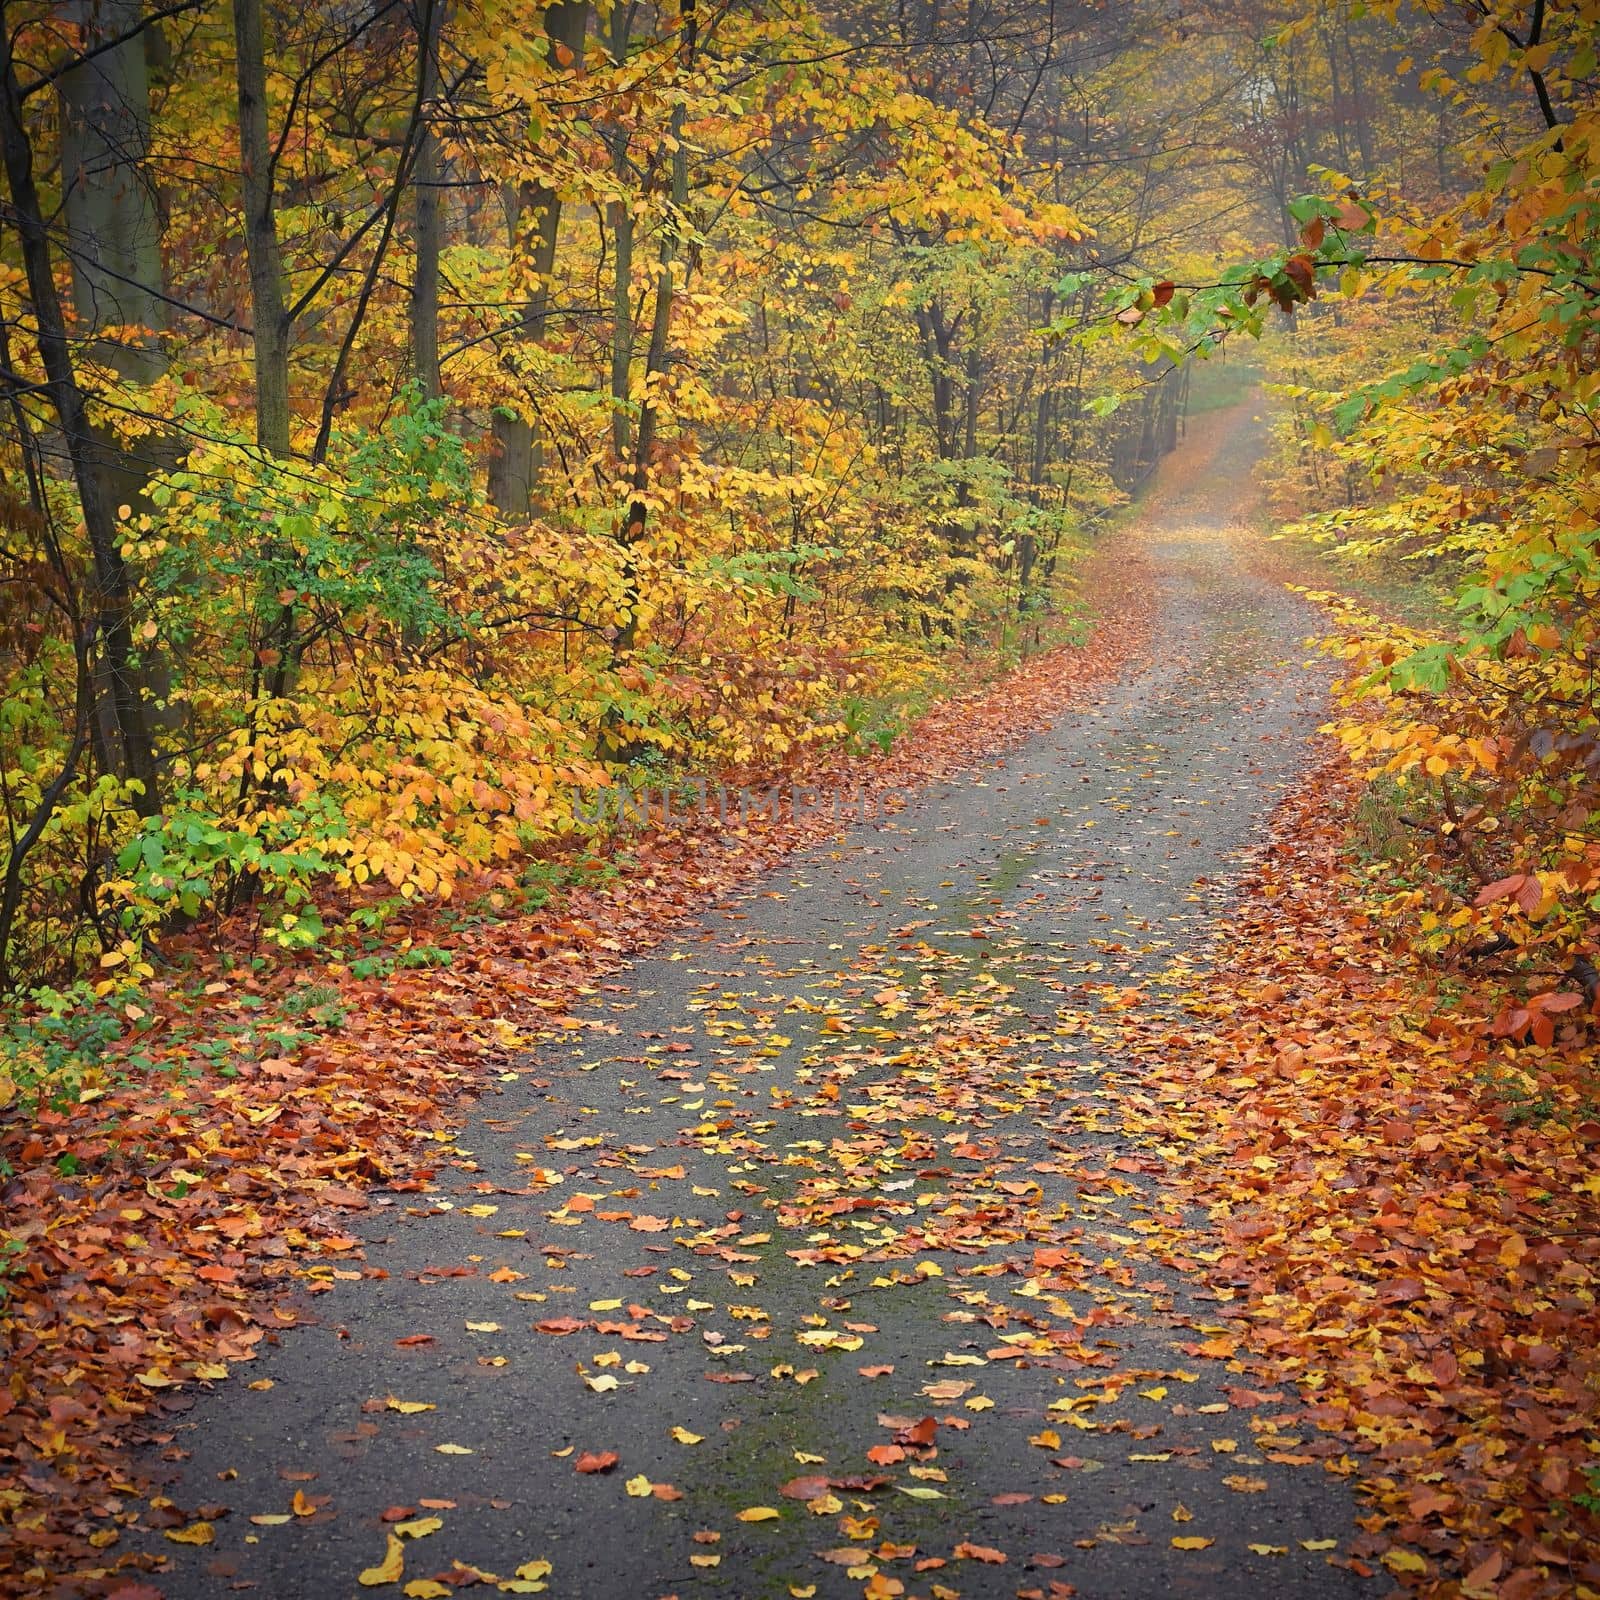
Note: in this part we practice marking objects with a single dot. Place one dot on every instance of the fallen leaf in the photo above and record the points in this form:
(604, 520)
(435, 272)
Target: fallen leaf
(390, 1570)
(979, 1552)
(193, 1533)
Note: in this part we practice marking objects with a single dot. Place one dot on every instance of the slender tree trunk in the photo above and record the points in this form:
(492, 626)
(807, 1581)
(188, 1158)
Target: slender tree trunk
(1358, 99)
(110, 601)
(428, 220)
(938, 339)
(516, 462)
(666, 291)
(620, 218)
(269, 319)
(656, 357)
(337, 392)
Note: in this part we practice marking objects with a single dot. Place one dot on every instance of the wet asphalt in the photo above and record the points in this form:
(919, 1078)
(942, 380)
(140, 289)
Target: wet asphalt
(888, 1075)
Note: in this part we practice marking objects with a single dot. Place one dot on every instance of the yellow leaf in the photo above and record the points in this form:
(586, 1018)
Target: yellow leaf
(638, 1487)
(1404, 1561)
(390, 1570)
(409, 1408)
(1270, 1549)
(534, 1571)
(195, 1533)
(1319, 1544)
(427, 1589)
(420, 1528)
(452, 1449)
(759, 1514)
(1192, 1541)
(683, 1436)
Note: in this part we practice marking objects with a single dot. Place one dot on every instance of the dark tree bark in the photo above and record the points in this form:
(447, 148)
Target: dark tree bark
(516, 462)
(269, 319)
(109, 602)
(113, 227)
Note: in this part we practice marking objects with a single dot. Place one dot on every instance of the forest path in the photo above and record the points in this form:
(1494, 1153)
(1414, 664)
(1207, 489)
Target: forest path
(872, 1104)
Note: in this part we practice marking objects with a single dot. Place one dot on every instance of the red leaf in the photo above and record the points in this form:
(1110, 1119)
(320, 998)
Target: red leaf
(919, 1433)
(807, 1488)
(559, 1325)
(1500, 889)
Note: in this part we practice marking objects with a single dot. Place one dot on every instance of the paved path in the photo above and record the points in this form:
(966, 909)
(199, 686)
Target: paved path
(901, 1146)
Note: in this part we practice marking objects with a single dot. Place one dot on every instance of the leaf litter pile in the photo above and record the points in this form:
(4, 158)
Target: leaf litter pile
(1410, 1215)
(164, 1226)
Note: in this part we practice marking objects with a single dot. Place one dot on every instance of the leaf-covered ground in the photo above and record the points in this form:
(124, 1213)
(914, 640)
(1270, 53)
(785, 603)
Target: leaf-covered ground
(161, 1222)
(848, 1243)
(1409, 1220)
(164, 1226)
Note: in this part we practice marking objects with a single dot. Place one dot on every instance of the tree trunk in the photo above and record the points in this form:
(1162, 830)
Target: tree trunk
(268, 316)
(620, 217)
(428, 221)
(660, 335)
(110, 601)
(517, 459)
(112, 222)
(656, 357)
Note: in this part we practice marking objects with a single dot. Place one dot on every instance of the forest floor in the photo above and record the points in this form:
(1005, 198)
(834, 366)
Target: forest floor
(824, 1234)
(885, 1227)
